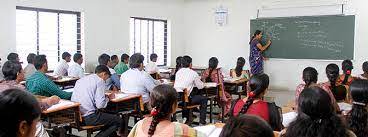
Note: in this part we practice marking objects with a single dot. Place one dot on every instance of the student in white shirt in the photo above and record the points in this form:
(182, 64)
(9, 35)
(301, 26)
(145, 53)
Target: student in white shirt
(89, 91)
(113, 82)
(30, 68)
(135, 80)
(76, 69)
(151, 67)
(186, 78)
(62, 68)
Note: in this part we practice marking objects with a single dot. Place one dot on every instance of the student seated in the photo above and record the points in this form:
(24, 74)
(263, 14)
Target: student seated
(62, 67)
(13, 76)
(188, 79)
(253, 104)
(310, 77)
(316, 117)
(20, 114)
(76, 70)
(346, 78)
(214, 74)
(135, 80)
(365, 70)
(40, 84)
(90, 92)
(340, 96)
(123, 65)
(30, 68)
(332, 72)
(239, 72)
(177, 67)
(151, 68)
(357, 119)
(163, 100)
(113, 82)
(114, 61)
(13, 57)
(246, 126)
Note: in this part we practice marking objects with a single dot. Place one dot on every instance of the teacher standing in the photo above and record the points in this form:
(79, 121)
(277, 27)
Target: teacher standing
(256, 49)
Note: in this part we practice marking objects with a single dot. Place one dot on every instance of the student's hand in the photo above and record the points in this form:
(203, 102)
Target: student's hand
(52, 100)
(111, 95)
(269, 42)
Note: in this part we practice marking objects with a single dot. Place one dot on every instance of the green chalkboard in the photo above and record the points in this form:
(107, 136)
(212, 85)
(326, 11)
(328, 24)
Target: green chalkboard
(312, 37)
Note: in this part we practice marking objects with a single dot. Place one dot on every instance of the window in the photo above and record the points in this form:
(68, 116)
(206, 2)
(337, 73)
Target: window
(149, 36)
(49, 32)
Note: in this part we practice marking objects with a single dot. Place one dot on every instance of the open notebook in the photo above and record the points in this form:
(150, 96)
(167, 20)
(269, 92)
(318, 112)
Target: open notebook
(209, 130)
(210, 84)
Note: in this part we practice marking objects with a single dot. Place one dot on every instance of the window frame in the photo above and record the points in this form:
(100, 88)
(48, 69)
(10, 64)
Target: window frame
(79, 32)
(153, 41)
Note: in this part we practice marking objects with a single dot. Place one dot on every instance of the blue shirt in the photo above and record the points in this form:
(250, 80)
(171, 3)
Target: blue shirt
(139, 82)
(89, 91)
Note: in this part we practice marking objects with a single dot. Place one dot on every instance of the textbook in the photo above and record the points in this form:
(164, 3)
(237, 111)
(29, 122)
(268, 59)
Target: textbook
(209, 130)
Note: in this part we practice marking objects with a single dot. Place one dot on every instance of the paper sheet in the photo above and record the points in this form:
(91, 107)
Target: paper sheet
(69, 90)
(231, 79)
(206, 129)
(210, 84)
(121, 95)
(287, 118)
(61, 103)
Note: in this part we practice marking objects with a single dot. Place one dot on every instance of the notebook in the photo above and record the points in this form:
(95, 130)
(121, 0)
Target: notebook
(209, 130)
(62, 103)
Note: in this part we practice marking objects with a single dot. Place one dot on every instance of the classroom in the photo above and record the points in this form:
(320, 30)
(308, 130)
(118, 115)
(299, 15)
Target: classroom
(196, 67)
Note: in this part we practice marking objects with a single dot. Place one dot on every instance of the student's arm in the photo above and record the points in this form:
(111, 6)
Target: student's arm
(53, 89)
(198, 82)
(100, 98)
(262, 48)
(149, 83)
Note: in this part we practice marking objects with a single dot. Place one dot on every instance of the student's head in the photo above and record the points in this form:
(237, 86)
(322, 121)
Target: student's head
(246, 126)
(178, 61)
(124, 58)
(78, 58)
(186, 62)
(41, 63)
(347, 66)
(115, 59)
(310, 75)
(66, 56)
(20, 113)
(13, 71)
(213, 63)
(340, 93)
(365, 67)
(104, 59)
(357, 120)
(258, 85)
(163, 100)
(153, 57)
(136, 61)
(239, 66)
(332, 72)
(103, 72)
(13, 57)
(31, 58)
(316, 116)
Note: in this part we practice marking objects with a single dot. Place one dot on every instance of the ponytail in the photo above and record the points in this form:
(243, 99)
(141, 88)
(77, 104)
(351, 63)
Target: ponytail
(258, 84)
(310, 75)
(239, 66)
(347, 66)
(212, 65)
(157, 116)
(257, 32)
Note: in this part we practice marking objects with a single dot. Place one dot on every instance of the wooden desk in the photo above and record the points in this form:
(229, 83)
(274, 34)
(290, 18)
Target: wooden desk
(60, 114)
(127, 104)
(66, 81)
(237, 83)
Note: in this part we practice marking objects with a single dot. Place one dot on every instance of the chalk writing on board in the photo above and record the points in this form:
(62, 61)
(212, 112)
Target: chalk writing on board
(273, 30)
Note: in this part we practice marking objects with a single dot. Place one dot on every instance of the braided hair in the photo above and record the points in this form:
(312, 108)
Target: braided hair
(162, 100)
(310, 75)
(239, 66)
(358, 117)
(332, 72)
(347, 66)
(258, 84)
(212, 65)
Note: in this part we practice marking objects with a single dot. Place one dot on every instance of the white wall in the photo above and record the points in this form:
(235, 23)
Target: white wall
(204, 39)
(106, 22)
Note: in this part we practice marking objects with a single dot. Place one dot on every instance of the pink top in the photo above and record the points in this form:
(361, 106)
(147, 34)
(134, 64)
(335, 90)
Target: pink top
(324, 86)
(216, 77)
(10, 84)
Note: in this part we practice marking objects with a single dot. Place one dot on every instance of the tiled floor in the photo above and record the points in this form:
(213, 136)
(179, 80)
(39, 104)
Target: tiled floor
(280, 97)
